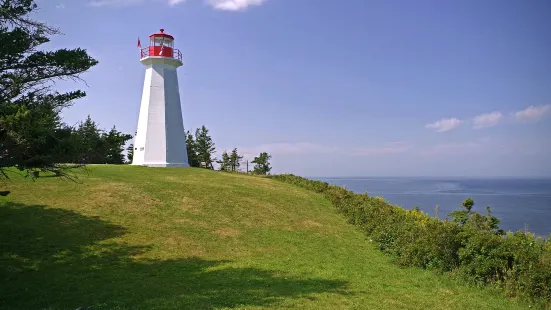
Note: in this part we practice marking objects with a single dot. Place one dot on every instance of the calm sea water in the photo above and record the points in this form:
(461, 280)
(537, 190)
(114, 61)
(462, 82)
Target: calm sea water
(518, 203)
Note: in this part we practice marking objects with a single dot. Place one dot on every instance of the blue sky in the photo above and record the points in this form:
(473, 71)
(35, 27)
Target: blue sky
(335, 88)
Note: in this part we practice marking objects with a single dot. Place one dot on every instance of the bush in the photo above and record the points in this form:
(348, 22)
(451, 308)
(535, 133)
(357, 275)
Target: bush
(469, 244)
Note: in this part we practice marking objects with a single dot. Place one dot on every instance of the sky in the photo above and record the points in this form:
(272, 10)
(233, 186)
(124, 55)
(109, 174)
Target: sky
(334, 88)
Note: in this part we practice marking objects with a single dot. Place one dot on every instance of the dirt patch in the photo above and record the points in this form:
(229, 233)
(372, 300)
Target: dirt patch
(310, 224)
(174, 246)
(227, 232)
(192, 223)
(447, 292)
(184, 221)
(190, 205)
(106, 187)
(108, 193)
(173, 179)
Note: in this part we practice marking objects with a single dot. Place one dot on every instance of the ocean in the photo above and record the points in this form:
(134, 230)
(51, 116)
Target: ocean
(519, 203)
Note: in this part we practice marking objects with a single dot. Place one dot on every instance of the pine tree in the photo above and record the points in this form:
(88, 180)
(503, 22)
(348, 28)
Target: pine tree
(95, 146)
(204, 147)
(30, 109)
(130, 153)
(235, 160)
(262, 163)
(225, 162)
(91, 147)
(192, 156)
(114, 142)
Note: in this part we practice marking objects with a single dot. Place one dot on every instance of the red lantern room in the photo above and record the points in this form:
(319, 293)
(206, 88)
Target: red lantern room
(161, 45)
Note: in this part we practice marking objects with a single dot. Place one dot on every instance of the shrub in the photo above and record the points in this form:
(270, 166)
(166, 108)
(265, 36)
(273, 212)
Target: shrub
(469, 244)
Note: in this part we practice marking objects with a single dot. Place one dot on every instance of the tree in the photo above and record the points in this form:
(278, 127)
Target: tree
(461, 217)
(204, 147)
(262, 163)
(225, 162)
(95, 146)
(29, 108)
(235, 160)
(192, 156)
(114, 141)
(468, 219)
(91, 147)
(130, 153)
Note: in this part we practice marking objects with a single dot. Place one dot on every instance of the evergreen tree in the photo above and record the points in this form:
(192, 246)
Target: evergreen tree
(91, 147)
(204, 147)
(225, 162)
(31, 131)
(192, 156)
(235, 160)
(262, 163)
(130, 153)
(67, 148)
(114, 142)
(95, 146)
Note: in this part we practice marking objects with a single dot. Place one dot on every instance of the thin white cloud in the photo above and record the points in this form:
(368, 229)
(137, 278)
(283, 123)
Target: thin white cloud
(289, 148)
(113, 3)
(533, 113)
(458, 147)
(60, 6)
(445, 124)
(453, 148)
(487, 120)
(234, 5)
(387, 149)
(175, 2)
(225, 5)
(304, 148)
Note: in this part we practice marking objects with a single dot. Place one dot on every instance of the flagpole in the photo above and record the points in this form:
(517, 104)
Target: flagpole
(140, 47)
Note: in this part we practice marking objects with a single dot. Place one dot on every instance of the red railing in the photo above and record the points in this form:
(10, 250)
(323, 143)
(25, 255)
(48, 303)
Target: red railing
(156, 51)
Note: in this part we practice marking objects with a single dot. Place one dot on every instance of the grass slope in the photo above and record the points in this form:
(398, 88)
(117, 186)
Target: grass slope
(142, 238)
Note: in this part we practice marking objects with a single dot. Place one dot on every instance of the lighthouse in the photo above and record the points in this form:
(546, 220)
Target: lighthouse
(160, 138)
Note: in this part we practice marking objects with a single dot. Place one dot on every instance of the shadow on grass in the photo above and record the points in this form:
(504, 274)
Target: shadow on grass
(59, 259)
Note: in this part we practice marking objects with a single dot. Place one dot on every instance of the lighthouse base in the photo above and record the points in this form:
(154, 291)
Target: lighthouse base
(163, 165)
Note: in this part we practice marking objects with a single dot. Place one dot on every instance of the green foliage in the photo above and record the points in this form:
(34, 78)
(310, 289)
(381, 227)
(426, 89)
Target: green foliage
(95, 146)
(225, 162)
(467, 217)
(471, 244)
(30, 122)
(192, 156)
(204, 146)
(115, 141)
(89, 141)
(235, 160)
(130, 153)
(262, 163)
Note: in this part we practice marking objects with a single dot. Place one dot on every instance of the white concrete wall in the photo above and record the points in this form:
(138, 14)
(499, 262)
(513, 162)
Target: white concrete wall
(160, 139)
(175, 132)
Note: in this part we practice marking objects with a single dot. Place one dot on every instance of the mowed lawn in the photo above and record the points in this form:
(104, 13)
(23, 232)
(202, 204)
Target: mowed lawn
(167, 238)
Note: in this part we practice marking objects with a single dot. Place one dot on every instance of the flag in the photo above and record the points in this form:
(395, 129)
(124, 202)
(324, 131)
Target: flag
(139, 43)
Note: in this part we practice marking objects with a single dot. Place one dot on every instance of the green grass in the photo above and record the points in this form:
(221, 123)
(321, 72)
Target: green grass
(143, 238)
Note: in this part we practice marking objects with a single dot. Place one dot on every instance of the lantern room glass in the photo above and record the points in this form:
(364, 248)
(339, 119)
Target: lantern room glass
(160, 41)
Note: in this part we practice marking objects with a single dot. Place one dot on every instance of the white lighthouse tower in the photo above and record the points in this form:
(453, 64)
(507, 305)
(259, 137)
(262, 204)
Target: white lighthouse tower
(160, 139)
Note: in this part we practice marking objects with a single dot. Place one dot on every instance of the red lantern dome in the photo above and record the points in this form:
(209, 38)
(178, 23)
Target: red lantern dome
(161, 45)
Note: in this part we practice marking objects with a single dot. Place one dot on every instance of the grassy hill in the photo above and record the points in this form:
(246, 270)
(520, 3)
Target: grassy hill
(142, 238)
